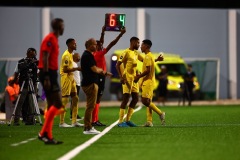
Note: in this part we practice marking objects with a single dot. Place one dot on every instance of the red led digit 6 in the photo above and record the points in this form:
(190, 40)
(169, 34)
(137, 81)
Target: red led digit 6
(112, 21)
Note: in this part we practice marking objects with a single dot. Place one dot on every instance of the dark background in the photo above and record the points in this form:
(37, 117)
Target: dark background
(127, 3)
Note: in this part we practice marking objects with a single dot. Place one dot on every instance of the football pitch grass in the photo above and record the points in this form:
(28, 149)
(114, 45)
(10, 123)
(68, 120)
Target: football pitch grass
(191, 133)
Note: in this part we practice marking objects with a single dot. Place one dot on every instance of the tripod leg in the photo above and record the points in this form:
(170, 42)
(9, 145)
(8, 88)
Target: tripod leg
(37, 109)
(14, 111)
(33, 93)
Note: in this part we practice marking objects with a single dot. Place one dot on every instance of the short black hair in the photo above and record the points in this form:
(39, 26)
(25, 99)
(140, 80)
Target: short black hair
(189, 65)
(134, 39)
(148, 42)
(55, 23)
(69, 40)
(31, 49)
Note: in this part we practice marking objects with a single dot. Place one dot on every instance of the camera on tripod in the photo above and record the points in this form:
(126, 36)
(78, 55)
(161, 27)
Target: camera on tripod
(28, 69)
(27, 105)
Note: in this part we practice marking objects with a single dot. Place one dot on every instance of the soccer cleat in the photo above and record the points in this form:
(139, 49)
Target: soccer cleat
(94, 124)
(91, 131)
(131, 124)
(123, 124)
(47, 140)
(162, 118)
(148, 124)
(98, 123)
(76, 124)
(78, 118)
(65, 125)
(43, 138)
(53, 141)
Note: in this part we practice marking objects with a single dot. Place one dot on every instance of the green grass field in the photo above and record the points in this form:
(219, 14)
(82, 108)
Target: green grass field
(190, 133)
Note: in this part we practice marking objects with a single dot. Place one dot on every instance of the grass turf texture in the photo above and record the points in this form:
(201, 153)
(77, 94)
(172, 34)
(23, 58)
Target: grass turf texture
(196, 132)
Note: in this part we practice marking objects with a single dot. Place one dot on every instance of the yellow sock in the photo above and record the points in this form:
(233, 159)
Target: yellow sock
(129, 113)
(74, 109)
(149, 114)
(64, 102)
(155, 108)
(121, 115)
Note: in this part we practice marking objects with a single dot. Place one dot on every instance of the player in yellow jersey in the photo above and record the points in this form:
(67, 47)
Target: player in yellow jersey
(148, 81)
(68, 83)
(129, 60)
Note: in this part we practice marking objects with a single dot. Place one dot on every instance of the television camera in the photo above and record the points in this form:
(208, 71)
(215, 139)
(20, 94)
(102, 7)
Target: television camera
(27, 78)
(27, 68)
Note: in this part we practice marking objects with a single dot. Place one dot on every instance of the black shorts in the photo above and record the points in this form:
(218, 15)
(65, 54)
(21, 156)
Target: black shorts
(53, 74)
(101, 84)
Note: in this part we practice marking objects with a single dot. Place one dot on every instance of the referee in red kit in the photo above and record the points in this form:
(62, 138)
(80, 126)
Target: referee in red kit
(48, 75)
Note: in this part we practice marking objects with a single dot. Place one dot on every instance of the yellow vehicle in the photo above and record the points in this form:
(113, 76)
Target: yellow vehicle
(176, 68)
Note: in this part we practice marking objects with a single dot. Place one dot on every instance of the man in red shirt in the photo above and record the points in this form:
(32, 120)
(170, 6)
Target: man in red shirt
(99, 57)
(48, 76)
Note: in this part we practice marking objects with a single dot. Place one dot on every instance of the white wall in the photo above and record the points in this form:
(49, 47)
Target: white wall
(188, 32)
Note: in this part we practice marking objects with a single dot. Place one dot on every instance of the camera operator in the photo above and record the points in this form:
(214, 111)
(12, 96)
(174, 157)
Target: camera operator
(26, 69)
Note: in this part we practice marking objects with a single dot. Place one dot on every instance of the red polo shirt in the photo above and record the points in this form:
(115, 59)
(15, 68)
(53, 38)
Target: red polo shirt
(50, 45)
(99, 57)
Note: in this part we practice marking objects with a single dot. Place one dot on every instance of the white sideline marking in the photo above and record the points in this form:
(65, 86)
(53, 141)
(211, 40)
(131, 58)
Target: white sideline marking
(81, 147)
(23, 142)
